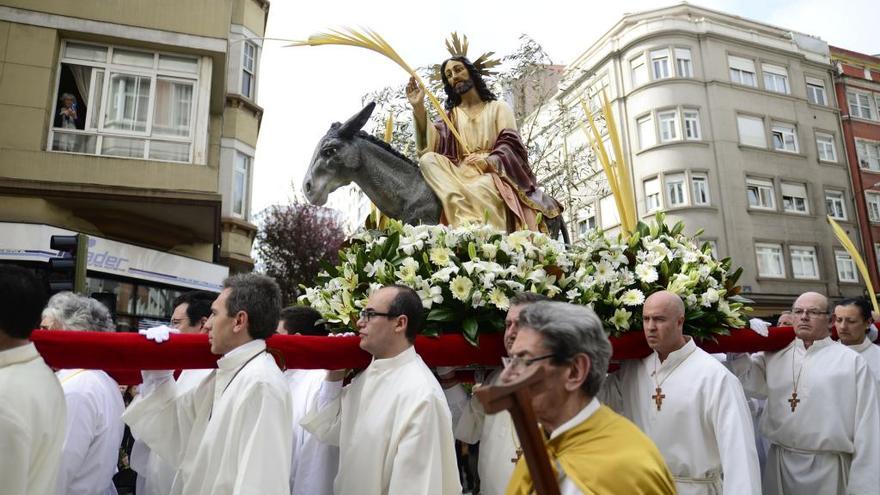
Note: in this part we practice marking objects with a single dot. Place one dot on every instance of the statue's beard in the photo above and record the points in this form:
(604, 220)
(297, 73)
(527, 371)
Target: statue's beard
(464, 86)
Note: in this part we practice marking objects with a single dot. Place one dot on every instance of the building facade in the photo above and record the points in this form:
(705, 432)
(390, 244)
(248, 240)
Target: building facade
(733, 127)
(857, 88)
(133, 122)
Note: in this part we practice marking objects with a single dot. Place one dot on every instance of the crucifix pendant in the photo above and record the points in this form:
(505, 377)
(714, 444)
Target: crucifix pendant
(658, 397)
(519, 453)
(793, 401)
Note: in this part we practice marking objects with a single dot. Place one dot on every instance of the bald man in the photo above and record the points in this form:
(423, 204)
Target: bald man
(689, 404)
(821, 416)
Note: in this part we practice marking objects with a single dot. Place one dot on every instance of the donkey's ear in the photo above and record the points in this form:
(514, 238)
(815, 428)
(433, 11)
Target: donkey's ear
(354, 124)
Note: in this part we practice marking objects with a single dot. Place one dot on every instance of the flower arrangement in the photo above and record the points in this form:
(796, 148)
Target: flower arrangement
(465, 276)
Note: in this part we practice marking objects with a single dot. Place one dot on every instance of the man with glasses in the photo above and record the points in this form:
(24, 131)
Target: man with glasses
(688, 404)
(392, 423)
(821, 416)
(499, 446)
(597, 450)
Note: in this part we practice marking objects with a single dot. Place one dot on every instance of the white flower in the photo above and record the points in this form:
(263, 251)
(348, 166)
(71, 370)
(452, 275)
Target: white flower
(444, 274)
(632, 297)
(691, 300)
(620, 320)
(646, 273)
(407, 270)
(604, 271)
(489, 250)
(477, 299)
(440, 256)
(430, 295)
(499, 299)
(461, 288)
(709, 297)
(372, 268)
(690, 257)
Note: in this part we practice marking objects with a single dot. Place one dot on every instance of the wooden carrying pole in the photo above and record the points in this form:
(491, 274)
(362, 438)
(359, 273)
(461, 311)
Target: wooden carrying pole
(515, 397)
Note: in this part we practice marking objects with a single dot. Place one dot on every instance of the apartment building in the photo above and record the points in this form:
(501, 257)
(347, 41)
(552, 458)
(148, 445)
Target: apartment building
(732, 126)
(134, 123)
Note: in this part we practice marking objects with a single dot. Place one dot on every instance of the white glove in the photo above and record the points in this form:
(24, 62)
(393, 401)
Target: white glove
(872, 333)
(760, 326)
(346, 334)
(158, 334)
(445, 370)
(152, 379)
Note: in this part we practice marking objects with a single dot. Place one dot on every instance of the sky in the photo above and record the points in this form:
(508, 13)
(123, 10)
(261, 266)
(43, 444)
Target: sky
(305, 89)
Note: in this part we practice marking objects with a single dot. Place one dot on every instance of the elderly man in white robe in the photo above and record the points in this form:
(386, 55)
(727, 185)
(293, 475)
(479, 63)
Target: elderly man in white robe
(232, 433)
(314, 464)
(191, 312)
(94, 405)
(821, 417)
(392, 423)
(688, 404)
(32, 407)
(499, 446)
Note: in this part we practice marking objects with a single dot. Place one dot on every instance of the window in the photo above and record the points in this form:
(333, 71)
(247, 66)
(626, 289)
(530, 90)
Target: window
(834, 205)
(775, 78)
(647, 137)
(240, 174)
(751, 131)
(873, 203)
(639, 71)
(825, 147)
(770, 260)
(803, 262)
(760, 194)
(125, 103)
(668, 125)
(691, 124)
(676, 191)
(700, 187)
(683, 65)
(877, 254)
(587, 224)
(859, 104)
(869, 154)
(784, 137)
(816, 91)
(248, 69)
(742, 71)
(846, 268)
(608, 209)
(660, 63)
(794, 198)
(652, 194)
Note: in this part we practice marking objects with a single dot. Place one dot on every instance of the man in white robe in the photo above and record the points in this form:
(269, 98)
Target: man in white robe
(392, 423)
(191, 312)
(232, 433)
(94, 429)
(32, 407)
(499, 445)
(821, 416)
(688, 404)
(852, 319)
(314, 463)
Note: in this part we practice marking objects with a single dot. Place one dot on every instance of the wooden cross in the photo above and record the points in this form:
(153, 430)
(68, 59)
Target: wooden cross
(793, 401)
(658, 397)
(515, 397)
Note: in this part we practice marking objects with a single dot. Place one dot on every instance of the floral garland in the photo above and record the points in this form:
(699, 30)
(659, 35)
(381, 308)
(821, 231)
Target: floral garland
(465, 276)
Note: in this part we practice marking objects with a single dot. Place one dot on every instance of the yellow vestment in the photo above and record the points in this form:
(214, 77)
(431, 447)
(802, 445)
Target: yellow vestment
(604, 455)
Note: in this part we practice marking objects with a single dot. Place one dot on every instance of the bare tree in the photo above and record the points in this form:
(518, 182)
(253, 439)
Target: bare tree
(292, 242)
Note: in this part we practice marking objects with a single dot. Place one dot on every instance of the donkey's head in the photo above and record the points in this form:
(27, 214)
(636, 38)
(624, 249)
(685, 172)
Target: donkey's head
(336, 158)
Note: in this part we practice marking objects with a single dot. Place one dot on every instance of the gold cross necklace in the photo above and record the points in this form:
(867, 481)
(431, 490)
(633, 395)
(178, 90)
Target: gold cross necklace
(658, 390)
(796, 380)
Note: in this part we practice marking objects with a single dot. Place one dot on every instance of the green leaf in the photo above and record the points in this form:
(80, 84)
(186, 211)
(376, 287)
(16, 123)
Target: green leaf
(472, 251)
(470, 329)
(442, 314)
(391, 245)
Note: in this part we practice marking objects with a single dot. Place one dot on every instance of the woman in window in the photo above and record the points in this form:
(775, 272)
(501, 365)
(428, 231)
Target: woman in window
(68, 118)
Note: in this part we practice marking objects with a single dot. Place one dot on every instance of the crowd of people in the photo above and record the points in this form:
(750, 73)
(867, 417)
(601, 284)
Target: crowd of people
(801, 420)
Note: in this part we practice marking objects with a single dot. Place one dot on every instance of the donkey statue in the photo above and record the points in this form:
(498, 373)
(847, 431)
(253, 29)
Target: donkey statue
(392, 181)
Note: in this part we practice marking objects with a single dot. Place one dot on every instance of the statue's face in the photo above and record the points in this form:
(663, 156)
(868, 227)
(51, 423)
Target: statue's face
(458, 76)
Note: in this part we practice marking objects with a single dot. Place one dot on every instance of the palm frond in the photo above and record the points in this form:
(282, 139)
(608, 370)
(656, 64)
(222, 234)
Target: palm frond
(854, 253)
